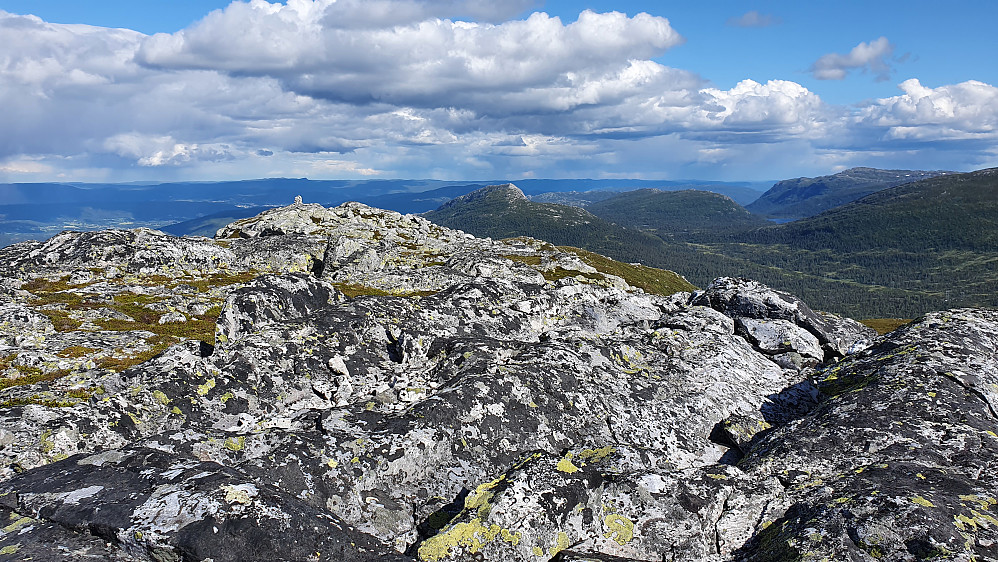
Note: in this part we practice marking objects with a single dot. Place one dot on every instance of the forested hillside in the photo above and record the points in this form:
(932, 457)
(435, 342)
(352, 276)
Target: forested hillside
(900, 252)
(806, 197)
(689, 215)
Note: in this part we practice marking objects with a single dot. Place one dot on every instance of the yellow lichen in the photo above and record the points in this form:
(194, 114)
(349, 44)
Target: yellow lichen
(479, 499)
(566, 465)
(984, 501)
(596, 455)
(922, 501)
(12, 549)
(235, 494)
(985, 517)
(620, 528)
(471, 535)
(161, 397)
(46, 443)
(235, 444)
(538, 551)
(17, 524)
(561, 543)
(203, 389)
(509, 536)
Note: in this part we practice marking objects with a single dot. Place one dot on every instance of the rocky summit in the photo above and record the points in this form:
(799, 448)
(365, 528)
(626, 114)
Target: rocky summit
(355, 384)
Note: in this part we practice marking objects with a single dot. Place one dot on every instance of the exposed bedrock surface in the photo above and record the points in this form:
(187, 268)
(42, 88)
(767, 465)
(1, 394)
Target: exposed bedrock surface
(364, 385)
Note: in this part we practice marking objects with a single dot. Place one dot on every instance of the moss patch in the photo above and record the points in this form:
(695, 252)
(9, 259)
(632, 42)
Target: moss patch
(527, 260)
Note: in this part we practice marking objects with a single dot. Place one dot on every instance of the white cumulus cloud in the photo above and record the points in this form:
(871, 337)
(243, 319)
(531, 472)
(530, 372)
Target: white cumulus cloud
(430, 62)
(964, 111)
(443, 88)
(873, 57)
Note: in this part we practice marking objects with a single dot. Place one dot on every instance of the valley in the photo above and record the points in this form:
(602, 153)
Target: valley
(899, 252)
(863, 242)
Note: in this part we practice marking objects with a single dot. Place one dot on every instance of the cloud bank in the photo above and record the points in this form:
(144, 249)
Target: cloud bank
(452, 89)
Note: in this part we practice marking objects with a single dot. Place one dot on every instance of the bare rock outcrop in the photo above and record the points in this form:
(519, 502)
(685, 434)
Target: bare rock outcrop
(355, 384)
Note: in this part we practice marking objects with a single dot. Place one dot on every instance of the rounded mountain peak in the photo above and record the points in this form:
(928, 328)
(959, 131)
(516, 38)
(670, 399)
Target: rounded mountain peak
(507, 191)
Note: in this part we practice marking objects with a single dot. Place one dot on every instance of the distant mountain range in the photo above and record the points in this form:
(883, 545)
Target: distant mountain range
(504, 211)
(806, 197)
(899, 252)
(39, 210)
(889, 250)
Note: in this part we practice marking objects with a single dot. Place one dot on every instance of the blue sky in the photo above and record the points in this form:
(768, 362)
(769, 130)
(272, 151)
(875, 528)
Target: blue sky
(469, 89)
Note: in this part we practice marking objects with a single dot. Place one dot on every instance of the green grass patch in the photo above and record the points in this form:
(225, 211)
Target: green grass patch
(76, 351)
(31, 375)
(527, 260)
(43, 285)
(650, 279)
(60, 320)
(64, 399)
(39, 401)
(158, 344)
(199, 327)
(561, 273)
(885, 325)
(208, 282)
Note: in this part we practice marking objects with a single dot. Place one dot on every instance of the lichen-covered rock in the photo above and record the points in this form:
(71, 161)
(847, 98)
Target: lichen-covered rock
(151, 504)
(750, 300)
(900, 462)
(298, 218)
(582, 504)
(354, 384)
(137, 250)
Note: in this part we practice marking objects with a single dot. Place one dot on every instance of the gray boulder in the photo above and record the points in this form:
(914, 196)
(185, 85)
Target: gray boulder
(750, 300)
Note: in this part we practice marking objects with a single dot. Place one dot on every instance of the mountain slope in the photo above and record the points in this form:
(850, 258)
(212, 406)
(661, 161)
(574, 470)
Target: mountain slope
(504, 212)
(936, 240)
(677, 214)
(805, 197)
(958, 211)
(901, 252)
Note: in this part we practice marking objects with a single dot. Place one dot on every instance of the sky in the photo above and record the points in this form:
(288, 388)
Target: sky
(735, 90)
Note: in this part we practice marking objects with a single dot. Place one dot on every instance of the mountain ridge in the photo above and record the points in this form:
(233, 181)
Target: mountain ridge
(866, 265)
(803, 197)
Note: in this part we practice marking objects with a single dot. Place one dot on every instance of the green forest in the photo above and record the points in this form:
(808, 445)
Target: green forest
(897, 253)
